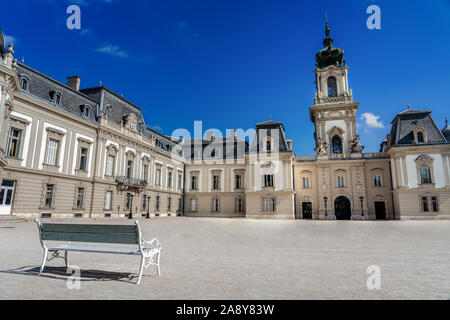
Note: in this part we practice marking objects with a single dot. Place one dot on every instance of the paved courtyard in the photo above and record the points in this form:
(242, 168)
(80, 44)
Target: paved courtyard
(243, 259)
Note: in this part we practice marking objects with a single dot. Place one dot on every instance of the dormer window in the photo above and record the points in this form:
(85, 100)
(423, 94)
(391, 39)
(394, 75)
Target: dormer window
(332, 87)
(24, 84)
(420, 138)
(420, 135)
(85, 111)
(268, 145)
(56, 97)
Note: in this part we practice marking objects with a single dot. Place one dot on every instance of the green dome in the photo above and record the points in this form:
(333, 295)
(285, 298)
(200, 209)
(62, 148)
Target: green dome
(329, 55)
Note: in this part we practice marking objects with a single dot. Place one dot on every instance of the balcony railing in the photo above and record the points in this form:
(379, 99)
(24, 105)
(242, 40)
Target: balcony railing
(343, 156)
(132, 182)
(348, 99)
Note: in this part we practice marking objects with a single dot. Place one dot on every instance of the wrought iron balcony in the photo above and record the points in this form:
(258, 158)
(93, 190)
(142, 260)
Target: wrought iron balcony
(131, 182)
(343, 156)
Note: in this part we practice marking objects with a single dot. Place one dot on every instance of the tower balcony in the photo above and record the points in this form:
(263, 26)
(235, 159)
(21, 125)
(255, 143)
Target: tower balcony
(331, 100)
(342, 156)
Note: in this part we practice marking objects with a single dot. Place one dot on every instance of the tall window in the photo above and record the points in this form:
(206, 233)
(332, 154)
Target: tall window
(336, 144)
(269, 205)
(332, 87)
(110, 165)
(144, 202)
(158, 176)
(193, 182)
(216, 182)
(215, 205)
(425, 175)
(52, 151)
(80, 198)
(239, 205)
(48, 195)
(83, 158)
(193, 205)
(305, 183)
(340, 182)
(238, 181)
(15, 136)
(169, 179)
(180, 181)
(377, 181)
(145, 172)
(129, 168)
(108, 200)
(425, 206)
(420, 138)
(169, 204)
(434, 204)
(268, 180)
(129, 202)
(157, 203)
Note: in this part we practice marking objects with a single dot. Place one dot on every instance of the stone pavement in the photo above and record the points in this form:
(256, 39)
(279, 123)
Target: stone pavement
(243, 259)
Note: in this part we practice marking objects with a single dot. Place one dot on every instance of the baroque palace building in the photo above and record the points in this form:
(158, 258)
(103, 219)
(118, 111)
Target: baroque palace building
(67, 152)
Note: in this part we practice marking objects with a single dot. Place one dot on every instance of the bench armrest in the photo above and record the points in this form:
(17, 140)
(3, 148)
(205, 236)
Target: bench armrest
(154, 243)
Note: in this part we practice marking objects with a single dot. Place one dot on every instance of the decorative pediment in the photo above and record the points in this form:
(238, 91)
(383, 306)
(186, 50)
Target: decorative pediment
(424, 160)
(336, 131)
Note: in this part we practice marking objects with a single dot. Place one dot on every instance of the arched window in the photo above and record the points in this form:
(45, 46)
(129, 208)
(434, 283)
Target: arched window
(336, 145)
(425, 175)
(332, 87)
(24, 84)
(268, 145)
(420, 138)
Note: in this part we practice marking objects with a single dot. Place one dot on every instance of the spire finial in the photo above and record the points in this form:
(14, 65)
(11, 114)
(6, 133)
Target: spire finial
(327, 28)
(409, 107)
(446, 122)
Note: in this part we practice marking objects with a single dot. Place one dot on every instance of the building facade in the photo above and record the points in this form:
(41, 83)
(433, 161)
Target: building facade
(68, 152)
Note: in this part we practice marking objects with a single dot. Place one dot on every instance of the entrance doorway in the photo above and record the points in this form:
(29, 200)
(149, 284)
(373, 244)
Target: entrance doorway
(380, 210)
(6, 197)
(342, 208)
(307, 210)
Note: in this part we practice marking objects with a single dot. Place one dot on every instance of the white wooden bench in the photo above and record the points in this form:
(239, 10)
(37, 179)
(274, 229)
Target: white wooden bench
(61, 236)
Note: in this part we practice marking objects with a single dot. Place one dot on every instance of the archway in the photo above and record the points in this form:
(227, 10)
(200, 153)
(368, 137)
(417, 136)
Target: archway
(342, 208)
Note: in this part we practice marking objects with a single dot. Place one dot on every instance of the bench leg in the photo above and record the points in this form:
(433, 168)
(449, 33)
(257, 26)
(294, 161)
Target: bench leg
(141, 269)
(43, 261)
(159, 270)
(66, 258)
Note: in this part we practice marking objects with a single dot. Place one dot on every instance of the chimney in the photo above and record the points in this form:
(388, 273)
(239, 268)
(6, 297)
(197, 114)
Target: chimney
(74, 82)
(289, 144)
(210, 135)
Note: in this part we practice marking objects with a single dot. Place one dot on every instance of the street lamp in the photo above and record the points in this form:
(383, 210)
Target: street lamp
(148, 208)
(325, 199)
(130, 216)
(362, 208)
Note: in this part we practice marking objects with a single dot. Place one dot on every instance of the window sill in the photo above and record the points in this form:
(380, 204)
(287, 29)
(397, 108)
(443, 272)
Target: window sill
(46, 208)
(78, 209)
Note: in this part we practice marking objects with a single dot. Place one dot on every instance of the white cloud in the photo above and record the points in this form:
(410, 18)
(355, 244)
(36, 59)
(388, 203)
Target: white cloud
(372, 121)
(112, 50)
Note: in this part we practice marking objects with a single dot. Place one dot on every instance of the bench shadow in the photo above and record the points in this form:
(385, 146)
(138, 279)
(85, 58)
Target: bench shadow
(61, 273)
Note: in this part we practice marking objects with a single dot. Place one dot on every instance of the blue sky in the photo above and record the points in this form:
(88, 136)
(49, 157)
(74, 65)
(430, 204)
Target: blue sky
(234, 63)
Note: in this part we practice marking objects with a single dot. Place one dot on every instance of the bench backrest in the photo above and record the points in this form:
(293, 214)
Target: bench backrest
(102, 233)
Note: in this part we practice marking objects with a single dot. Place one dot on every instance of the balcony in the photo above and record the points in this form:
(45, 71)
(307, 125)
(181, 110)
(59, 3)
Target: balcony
(343, 156)
(131, 182)
(330, 100)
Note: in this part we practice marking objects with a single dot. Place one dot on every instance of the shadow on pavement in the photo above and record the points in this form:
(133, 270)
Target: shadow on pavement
(61, 273)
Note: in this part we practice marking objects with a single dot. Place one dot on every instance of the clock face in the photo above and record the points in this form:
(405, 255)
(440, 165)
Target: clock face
(132, 125)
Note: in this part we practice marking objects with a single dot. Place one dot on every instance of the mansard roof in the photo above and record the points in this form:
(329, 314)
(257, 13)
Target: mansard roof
(273, 129)
(214, 148)
(404, 124)
(41, 86)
